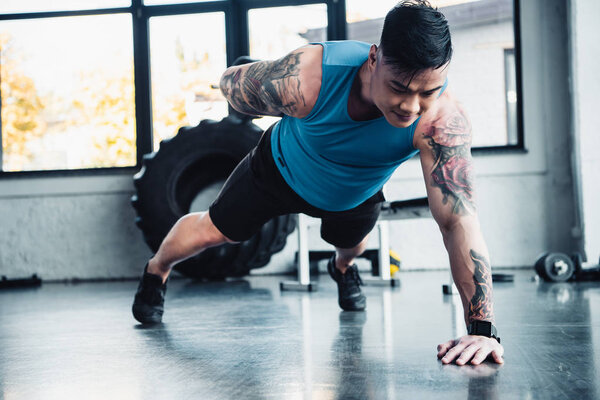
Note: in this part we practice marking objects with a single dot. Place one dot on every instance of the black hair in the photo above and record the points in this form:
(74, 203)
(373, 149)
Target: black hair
(415, 37)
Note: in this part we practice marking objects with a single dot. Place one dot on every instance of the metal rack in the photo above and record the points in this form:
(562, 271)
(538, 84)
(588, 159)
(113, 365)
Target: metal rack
(391, 211)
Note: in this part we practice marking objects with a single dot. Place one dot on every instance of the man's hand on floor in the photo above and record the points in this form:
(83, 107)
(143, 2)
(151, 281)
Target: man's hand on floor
(472, 348)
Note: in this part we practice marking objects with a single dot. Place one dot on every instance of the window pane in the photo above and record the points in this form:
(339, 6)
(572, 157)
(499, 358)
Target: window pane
(481, 32)
(188, 57)
(360, 10)
(511, 95)
(67, 93)
(21, 6)
(157, 2)
(276, 31)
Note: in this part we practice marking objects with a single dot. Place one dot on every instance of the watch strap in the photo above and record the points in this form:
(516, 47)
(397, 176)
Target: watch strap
(483, 328)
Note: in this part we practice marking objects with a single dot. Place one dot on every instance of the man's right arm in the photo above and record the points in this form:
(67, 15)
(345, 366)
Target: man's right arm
(289, 85)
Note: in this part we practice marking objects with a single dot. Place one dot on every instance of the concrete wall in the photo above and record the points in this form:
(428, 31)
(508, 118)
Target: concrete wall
(83, 226)
(63, 228)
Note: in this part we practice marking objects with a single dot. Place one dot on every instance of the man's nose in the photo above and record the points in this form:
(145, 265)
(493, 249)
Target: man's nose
(410, 105)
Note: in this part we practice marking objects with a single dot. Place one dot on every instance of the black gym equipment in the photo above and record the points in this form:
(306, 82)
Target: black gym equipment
(503, 277)
(447, 288)
(559, 267)
(190, 168)
(6, 283)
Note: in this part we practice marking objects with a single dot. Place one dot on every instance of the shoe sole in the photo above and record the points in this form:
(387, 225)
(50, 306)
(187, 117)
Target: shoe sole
(144, 315)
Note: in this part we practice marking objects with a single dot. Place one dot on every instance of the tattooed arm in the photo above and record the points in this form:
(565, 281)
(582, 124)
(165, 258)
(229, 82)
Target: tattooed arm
(445, 147)
(288, 86)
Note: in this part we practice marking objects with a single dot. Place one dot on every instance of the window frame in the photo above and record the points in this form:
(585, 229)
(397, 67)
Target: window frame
(237, 44)
(519, 147)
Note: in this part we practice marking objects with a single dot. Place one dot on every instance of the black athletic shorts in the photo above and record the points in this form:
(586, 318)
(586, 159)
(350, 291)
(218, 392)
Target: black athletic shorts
(255, 192)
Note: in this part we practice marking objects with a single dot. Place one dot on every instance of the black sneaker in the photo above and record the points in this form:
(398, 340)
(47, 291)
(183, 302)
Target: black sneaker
(149, 300)
(350, 297)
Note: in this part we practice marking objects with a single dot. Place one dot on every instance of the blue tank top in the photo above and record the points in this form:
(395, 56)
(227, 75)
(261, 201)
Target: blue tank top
(328, 159)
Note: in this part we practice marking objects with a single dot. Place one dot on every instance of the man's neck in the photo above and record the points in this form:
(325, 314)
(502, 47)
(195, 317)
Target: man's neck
(360, 106)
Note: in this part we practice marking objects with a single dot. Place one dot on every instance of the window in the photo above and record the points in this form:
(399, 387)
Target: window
(156, 2)
(482, 73)
(96, 84)
(185, 70)
(276, 31)
(21, 6)
(67, 93)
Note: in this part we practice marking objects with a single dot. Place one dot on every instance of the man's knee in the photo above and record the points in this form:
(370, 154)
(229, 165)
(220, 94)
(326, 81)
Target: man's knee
(206, 230)
(354, 251)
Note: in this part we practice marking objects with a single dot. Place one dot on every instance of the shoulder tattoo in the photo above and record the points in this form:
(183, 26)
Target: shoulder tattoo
(266, 87)
(450, 141)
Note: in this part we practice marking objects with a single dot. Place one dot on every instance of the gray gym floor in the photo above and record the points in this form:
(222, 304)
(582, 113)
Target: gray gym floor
(245, 339)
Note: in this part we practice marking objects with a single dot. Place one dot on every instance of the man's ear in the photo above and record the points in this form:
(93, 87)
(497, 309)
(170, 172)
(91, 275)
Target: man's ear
(373, 56)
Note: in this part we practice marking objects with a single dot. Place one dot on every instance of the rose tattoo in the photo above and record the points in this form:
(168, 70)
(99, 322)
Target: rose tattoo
(452, 170)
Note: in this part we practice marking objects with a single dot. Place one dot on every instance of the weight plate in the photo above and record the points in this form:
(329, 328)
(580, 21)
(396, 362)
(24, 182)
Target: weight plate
(539, 267)
(558, 267)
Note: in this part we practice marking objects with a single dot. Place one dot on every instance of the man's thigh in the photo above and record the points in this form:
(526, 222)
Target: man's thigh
(346, 229)
(254, 193)
(240, 210)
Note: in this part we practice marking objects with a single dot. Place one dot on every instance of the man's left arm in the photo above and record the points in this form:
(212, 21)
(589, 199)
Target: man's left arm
(445, 147)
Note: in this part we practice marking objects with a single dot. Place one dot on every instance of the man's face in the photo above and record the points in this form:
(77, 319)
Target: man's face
(402, 98)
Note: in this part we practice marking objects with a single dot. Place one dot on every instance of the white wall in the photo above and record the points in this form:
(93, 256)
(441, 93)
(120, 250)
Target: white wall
(83, 226)
(585, 66)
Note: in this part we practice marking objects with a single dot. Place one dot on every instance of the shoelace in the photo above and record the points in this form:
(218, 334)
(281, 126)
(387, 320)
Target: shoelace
(351, 276)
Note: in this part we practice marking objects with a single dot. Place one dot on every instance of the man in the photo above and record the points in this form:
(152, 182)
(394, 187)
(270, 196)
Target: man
(351, 113)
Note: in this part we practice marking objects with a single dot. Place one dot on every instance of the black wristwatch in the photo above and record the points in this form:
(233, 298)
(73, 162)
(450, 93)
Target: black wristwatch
(483, 328)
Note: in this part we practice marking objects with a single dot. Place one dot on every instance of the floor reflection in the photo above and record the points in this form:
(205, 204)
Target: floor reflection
(353, 377)
(245, 339)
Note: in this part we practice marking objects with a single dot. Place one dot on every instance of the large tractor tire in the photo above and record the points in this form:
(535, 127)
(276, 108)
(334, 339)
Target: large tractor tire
(185, 175)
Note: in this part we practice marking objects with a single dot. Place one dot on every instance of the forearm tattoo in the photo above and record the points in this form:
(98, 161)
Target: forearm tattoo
(266, 88)
(450, 142)
(480, 307)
